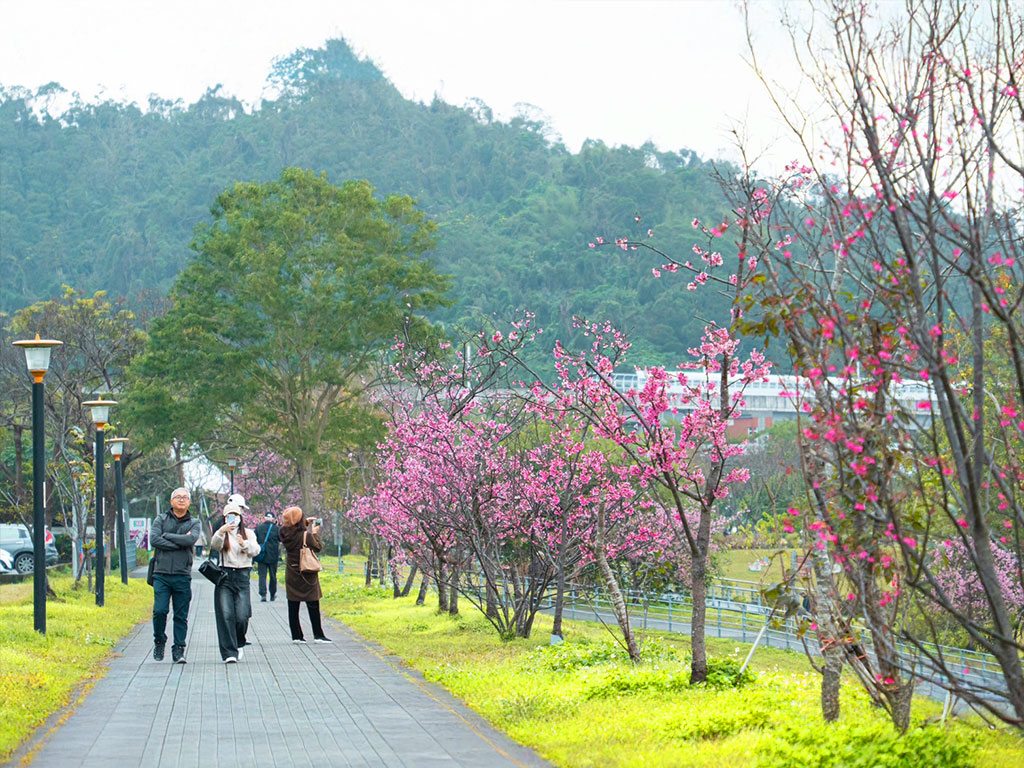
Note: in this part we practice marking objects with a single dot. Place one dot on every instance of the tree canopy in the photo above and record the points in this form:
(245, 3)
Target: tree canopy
(295, 288)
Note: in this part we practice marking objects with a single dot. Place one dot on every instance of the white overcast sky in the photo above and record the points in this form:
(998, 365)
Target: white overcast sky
(670, 71)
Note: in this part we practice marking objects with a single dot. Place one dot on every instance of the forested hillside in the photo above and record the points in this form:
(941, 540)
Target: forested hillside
(106, 196)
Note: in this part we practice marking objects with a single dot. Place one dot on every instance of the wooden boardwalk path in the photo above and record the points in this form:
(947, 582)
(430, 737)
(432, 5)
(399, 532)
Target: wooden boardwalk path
(316, 705)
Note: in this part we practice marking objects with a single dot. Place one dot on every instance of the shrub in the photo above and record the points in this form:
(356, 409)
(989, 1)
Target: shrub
(716, 723)
(566, 657)
(620, 681)
(724, 672)
(864, 743)
(63, 544)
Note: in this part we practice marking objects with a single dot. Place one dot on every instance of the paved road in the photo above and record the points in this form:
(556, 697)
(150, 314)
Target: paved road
(344, 704)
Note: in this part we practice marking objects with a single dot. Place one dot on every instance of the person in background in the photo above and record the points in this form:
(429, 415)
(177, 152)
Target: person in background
(173, 537)
(301, 587)
(201, 541)
(231, 598)
(268, 535)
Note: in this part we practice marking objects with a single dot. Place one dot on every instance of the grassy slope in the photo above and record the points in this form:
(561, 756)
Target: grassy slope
(37, 673)
(733, 564)
(571, 719)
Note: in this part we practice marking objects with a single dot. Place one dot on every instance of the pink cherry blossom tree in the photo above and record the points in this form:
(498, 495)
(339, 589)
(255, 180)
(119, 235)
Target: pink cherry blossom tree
(889, 259)
(671, 432)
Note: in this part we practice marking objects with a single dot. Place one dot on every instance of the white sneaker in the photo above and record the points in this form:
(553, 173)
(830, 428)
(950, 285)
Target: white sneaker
(322, 640)
(300, 640)
(230, 660)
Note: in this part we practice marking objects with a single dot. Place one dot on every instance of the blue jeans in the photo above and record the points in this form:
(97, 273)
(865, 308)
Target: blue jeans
(166, 586)
(232, 608)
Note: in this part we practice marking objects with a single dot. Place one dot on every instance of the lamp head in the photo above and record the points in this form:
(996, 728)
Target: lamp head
(37, 355)
(232, 463)
(100, 411)
(117, 447)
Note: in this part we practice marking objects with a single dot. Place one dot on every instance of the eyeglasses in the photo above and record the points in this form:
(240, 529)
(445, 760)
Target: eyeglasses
(181, 496)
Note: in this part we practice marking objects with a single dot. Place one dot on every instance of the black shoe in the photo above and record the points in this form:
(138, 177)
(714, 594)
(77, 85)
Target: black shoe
(178, 654)
(272, 598)
(158, 652)
(298, 640)
(322, 640)
(263, 599)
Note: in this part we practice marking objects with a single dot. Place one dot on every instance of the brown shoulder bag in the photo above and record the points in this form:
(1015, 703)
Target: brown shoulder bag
(308, 561)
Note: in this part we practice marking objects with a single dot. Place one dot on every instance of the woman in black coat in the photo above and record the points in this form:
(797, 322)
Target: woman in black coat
(299, 586)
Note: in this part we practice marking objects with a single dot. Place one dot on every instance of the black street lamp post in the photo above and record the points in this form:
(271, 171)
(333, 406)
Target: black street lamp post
(37, 357)
(232, 463)
(100, 417)
(116, 450)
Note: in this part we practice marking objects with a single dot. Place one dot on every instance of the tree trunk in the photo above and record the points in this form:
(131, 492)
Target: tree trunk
(698, 590)
(830, 679)
(410, 580)
(829, 636)
(304, 469)
(556, 627)
(179, 465)
(19, 465)
(618, 601)
(453, 594)
(442, 589)
(899, 691)
(421, 598)
(396, 591)
(492, 599)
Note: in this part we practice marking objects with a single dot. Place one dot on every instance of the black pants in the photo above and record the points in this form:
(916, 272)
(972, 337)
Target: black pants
(266, 569)
(313, 606)
(232, 609)
(165, 587)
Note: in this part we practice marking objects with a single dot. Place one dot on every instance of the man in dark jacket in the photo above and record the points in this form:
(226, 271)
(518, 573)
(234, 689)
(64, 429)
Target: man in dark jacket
(173, 537)
(270, 544)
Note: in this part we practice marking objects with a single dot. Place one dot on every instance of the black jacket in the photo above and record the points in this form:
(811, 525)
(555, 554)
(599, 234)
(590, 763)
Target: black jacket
(273, 545)
(174, 539)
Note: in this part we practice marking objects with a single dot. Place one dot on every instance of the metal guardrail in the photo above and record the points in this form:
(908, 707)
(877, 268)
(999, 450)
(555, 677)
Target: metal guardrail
(736, 610)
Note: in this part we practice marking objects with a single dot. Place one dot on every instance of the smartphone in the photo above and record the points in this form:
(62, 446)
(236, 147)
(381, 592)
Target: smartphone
(318, 521)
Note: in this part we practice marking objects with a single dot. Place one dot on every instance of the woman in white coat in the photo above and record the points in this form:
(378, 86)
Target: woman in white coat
(231, 603)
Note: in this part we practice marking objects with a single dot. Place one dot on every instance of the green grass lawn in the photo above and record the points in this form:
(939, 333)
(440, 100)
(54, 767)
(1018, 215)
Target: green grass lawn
(577, 708)
(734, 564)
(38, 674)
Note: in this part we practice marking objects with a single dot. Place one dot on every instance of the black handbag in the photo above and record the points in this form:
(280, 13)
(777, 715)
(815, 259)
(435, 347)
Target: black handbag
(212, 571)
(150, 571)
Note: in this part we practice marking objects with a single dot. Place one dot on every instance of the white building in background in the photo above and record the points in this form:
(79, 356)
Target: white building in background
(778, 398)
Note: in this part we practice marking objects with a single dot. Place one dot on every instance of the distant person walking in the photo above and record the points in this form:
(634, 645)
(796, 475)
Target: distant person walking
(232, 605)
(173, 537)
(268, 534)
(301, 586)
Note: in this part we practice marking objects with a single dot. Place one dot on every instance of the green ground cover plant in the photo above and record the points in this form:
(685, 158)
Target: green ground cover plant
(39, 674)
(582, 703)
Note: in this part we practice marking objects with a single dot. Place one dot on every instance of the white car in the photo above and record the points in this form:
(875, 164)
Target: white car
(6, 562)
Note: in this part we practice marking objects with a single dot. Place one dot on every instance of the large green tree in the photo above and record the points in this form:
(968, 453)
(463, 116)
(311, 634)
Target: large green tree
(296, 288)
